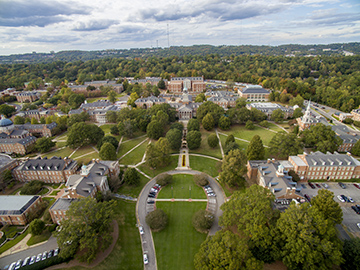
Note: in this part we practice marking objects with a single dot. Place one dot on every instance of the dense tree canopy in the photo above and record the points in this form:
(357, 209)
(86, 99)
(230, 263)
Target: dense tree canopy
(81, 134)
(174, 137)
(107, 151)
(44, 144)
(283, 145)
(193, 124)
(255, 150)
(233, 168)
(193, 139)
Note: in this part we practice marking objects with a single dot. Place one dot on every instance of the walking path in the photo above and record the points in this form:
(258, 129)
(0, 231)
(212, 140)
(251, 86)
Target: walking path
(117, 150)
(132, 149)
(221, 148)
(240, 139)
(205, 156)
(86, 154)
(73, 152)
(280, 127)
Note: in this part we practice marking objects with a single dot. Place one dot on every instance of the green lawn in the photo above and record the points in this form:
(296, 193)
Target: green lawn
(241, 132)
(106, 128)
(127, 253)
(82, 151)
(12, 243)
(55, 192)
(179, 188)
(125, 146)
(204, 148)
(35, 239)
(132, 190)
(206, 165)
(65, 152)
(135, 156)
(152, 173)
(86, 159)
(274, 127)
(43, 191)
(60, 144)
(178, 243)
(63, 136)
(243, 145)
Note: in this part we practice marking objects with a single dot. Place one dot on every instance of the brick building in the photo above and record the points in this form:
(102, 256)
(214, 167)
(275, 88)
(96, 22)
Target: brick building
(44, 130)
(189, 84)
(356, 114)
(15, 209)
(148, 102)
(59, 208)
(268, 108)
(30, 96)
(254, 93)
(52, 170)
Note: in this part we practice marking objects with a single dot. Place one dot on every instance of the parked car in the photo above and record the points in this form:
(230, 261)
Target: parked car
(345, 198)
(151, 196)
(311, 185)
(357, 185)
(50, 253)
(150, 202)
(342, 185)
(318, 185)
(26, 261)
(157, 185)
(307, 197)
(358, 224)
(303, 186)
(154, 190)
(146, 260)
(38, 258)
(32, 260)
(341, 199)
(350, 199)
(356, 209)
(325, 185)
(12, 266)
(141, 229)
(56, 251)
(18, 264)
(44, 256)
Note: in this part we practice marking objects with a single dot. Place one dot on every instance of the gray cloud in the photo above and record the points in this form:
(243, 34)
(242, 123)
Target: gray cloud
(51, 39)
(330, 17)
(94, 25)
(15, 13)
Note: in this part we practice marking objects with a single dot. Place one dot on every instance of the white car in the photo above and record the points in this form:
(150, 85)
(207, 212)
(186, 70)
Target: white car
(358, 224)
(340, 198)
(32, 260)
(350, 199)
(146, 260)
(18, 264)
(141, 229)
(44, 256)
(26, 261)
(38, 258)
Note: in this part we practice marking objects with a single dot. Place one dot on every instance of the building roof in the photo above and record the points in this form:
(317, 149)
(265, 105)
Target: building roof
(5, 122)
(22, 141)
(15, 204)
(44, 164)
(298, 161)
(319, 159)
(254, 89)
(95, 104)
(62, 204)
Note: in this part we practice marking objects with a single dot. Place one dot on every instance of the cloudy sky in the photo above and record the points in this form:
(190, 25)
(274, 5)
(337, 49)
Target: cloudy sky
(55, 25)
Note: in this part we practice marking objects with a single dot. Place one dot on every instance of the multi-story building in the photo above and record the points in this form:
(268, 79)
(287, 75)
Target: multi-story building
(117, 87)
(325, 166)
(356, 114)
(37, 114)
(148, 102)
(30, 96)
(150, 80)
(254, 93)
(268, 108)
(349, 139)
(52, 170)
(59, 208)
(16, 209)
(44, 130)
(188, 84)
(274, 176)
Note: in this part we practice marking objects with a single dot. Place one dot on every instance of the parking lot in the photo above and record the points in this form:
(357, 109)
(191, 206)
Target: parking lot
(350, 218)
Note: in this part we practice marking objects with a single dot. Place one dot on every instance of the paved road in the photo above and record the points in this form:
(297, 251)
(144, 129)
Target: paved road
(51, 244)
(142, 209)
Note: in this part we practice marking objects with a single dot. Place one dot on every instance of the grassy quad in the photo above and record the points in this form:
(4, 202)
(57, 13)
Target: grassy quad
(127, 145)
(206, 165)
(204, 148)
(65, 152)
(179, 188)
(136, 155)
(106, 128)
(178, 243)
(172, 165)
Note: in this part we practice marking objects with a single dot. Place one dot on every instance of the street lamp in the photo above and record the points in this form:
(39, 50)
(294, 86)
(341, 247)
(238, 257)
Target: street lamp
(172, 192)
(189, 192)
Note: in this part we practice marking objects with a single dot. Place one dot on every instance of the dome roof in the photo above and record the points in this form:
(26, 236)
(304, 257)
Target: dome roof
(5, 122)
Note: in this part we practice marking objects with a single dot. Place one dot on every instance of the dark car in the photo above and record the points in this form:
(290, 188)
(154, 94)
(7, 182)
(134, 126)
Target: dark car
(357, 185)
(150, 202)
(152, 193)
(342, 185)
(307, 197)
(317, 185)
(50, 253)
(151, 196)
(346, 199)
(311, 185)
(356, 209)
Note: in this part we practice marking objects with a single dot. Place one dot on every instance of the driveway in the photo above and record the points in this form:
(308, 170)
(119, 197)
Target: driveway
(142, 209)
(50, 244)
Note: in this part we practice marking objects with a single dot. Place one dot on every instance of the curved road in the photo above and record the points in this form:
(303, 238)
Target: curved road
(142, 209)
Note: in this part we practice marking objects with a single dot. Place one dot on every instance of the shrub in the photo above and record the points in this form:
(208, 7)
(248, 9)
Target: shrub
(249, 125)
(213, 140)
(132, 177)
(294, 176)
(229, 139)
(201, 179)
(37, 226)
(157, 220)
(164, 179)
(32, 187)
(202, 220)
(264, 124)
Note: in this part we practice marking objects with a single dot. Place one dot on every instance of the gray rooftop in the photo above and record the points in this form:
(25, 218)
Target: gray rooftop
(320, 159)
(62, 204)
(15, 204)
(44, 164)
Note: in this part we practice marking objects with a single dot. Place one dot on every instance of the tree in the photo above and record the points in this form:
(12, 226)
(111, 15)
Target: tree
(249, 125)
(174, 136)
(297, 113)
(18, 120)
(7, 110)
(277, 115)
(283, 145)
(233, 168)
(240, 103)
(230, 146)
(294, 175)
(356, 149)
(77, 118)
(107, 151)
(114, 130)
(161, 84)
(111, 116)
(157, 220)
(193, 139)
(162, 117)
(311, 241)
(201, 179)
(75, 100)
(131, 177)
(178, 126)
(154, 130)
(225, 250)
(164, 179)
(133, 97)
(298, 100)
(321, 137)
(81, 134)
(36, 226)
(224, 123)
(255, 150)
(213, 140)
(127, 127)
(210, 107)
(202, 220)
(42, 120)
(229, 139)
(109, 139)
(325, 203)
(264, 124)
(200, 98)
(351, 254)
(44, 144)
(6, 178)
(251, 212)
(193, 124)
(208, 122)
(112, 96)
(32, 187)
(88, 228)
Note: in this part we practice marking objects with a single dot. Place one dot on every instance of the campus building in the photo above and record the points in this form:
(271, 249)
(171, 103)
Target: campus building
(356, 114)
(307, 120)
(52, 170)
(148, 102)
(268, 108)
(316, 166)
(349, 139)
(29, 96)
(16, 209)
(254, 93)
(150, 80)
(37, 114)
(59, 208)
(189, 84)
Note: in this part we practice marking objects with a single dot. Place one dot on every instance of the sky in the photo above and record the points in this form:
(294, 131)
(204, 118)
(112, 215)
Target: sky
(58, 25)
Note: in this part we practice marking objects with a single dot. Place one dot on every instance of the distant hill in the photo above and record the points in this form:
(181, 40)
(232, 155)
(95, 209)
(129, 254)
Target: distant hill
(286, 50)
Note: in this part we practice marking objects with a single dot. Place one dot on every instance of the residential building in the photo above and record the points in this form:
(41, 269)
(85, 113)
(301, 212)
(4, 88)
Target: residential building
(356, 114)
(274, 176)
(59, 208)
(343, 116)
(52, 170)
(151, 80)
(99, 115)
(30, 96)
(44, 130)
(189, 84)
(148, 102)
(37, 114)
(348, 138)
(316, 166)
(16, 209)
(254, 93)
(268, 108)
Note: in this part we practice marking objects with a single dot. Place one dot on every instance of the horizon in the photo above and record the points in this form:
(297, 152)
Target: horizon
(43, 26)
